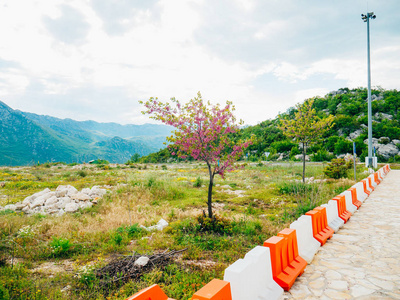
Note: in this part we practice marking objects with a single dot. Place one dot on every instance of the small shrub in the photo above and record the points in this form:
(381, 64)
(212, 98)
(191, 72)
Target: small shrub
(60, 246)
(82, 173)
(135, 231)
(151, 182)
(322, 155)
(215, 224)
(164, 167)
(198, 183)
(337, 168)
(117, 238)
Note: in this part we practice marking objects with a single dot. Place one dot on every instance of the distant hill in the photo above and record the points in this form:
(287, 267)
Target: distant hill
(28, 138)
(349, 108)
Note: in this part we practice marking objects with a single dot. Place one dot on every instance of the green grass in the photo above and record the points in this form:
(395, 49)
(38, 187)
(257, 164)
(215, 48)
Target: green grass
(273, 198)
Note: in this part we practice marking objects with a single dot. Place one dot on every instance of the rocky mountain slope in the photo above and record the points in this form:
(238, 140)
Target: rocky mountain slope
(28, 138)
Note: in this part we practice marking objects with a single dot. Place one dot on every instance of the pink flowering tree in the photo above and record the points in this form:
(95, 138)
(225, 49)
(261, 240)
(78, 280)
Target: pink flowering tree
(202, 131)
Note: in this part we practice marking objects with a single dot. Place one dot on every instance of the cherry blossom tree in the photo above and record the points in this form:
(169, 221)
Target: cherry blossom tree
(203, 132)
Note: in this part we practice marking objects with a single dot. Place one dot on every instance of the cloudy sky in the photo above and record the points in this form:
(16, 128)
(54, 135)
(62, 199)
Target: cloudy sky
(94, 59)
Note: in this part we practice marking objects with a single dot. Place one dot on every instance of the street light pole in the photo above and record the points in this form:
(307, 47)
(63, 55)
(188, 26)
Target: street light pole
(366, 18)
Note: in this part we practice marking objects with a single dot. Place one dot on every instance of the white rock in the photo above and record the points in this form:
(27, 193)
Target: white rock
(20, 206)
(387, 150)
(11, 207)
(81, 197)
(60, 212)
(226, 186)
(355, 134)
(96, 191)
(38, 194)
(38, 202)
(71, 207)
(52, 211)
(61, 193)
(396, 142)
(141, 261)
(84, 205)
(26, 209)
(72, 191)
(28, 200)
(86, 191)
(51, 200)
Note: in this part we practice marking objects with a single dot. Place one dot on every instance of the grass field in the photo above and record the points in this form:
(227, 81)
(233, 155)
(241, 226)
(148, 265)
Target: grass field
(49, 257)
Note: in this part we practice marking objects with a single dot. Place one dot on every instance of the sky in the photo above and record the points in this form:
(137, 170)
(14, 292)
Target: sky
(95, 59)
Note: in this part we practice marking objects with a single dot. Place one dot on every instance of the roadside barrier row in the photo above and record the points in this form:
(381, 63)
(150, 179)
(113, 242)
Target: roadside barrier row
(266, 271)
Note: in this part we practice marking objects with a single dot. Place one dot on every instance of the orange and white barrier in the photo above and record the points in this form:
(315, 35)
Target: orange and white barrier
(216, 289)
(349, 201)
(251, 277)
(286, 262)
(361, 194)
(307, 244)
(332, 213)
(153, 292)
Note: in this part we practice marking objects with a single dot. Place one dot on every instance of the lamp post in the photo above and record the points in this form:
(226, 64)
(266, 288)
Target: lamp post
(366, 18)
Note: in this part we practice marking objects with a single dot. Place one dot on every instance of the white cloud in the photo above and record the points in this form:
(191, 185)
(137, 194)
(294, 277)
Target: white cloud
(263, 57)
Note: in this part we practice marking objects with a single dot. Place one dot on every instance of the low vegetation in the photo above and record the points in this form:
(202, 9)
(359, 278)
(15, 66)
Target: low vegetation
(49, 257)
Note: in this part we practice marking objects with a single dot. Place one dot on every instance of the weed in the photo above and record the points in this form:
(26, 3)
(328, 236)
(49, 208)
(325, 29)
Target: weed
(198, 183)
(82, 173)
(215, 224)
(60, 247)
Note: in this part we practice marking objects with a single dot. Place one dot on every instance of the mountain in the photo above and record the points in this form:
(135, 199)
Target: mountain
(28, 138)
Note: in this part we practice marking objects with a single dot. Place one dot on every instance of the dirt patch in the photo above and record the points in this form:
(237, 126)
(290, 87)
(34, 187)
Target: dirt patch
(52, 268)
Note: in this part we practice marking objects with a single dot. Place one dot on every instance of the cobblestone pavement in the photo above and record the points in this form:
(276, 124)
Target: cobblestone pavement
(361, 260)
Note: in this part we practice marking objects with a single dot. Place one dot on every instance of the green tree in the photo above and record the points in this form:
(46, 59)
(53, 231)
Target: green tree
(305, 127)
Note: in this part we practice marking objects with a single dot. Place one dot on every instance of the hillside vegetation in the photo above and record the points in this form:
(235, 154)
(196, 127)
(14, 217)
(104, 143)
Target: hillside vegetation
(349, 108)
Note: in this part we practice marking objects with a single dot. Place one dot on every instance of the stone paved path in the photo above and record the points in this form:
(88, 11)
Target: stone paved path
(362, 260)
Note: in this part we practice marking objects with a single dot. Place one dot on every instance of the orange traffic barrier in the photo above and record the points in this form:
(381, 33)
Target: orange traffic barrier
(343, 213)
(376, 178)
(354, 199)
(321, 231)
(365, 185)
(216, 289)
(153, 292)
(370, 184)
(286, 263)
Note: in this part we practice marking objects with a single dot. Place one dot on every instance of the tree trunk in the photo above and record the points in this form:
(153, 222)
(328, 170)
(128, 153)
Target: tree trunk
(304, 162)
(210, 186)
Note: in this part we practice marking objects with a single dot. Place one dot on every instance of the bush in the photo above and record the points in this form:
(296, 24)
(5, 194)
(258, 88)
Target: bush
(198, 183)
(343, 146)
(337, 168)
(322, 155)
(60, 246)
(215, 224)
(283, 146)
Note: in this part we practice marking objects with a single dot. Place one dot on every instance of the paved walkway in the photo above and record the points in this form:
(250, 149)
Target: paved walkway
(362, 260)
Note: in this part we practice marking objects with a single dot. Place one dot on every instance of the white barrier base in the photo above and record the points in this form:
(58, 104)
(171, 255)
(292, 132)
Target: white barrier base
(307, 244)
(349, 201)
(361, 195)
(251, 277)
(374, 184)
(332, 215)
